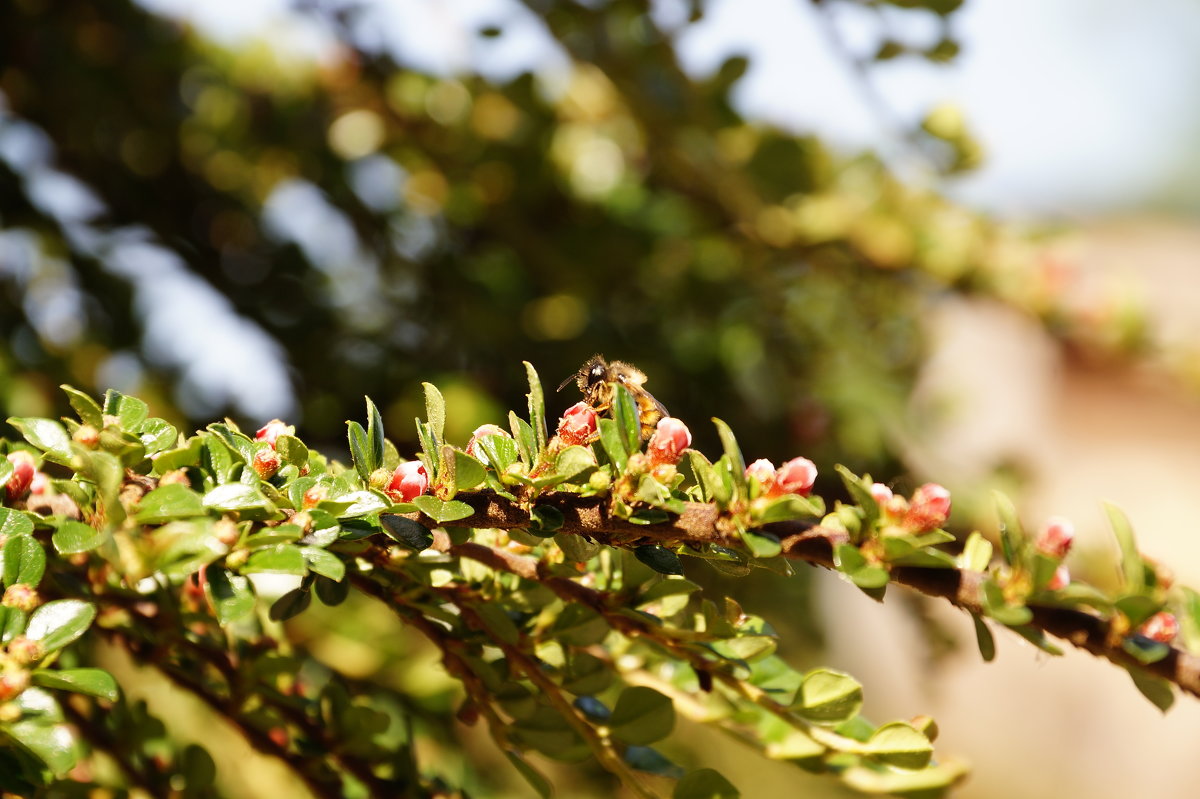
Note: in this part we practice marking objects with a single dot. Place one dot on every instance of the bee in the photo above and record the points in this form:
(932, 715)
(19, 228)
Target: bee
(596, 378)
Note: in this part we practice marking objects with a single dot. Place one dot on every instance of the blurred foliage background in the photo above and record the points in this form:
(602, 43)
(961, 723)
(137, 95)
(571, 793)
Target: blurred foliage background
(264, 230)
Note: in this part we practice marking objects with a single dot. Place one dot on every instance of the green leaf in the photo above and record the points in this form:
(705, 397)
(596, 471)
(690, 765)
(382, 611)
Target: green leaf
(662, 560)
(613, 443)
(92, 682)
(1144, 650)
(576, 548)
(901, 745)
(330, 592)
(737, 464)
(130, 411)
(705, 783)
(860, 492)
(87, 408)
(574, 461)
(14, 523)
(73, 537)
(976, 554)
(293, 603)
(435, 411)
(292, 450)
(499, 623)
(324, 563)
(651, 761)
(925, 783)
(525, 438)
(6, 472)
(360, 450)
(761, 546)
(625, 413)
(60, 622)
(237, 497)
(1132, 565)
(1137, 608)
(586, 674)
(468, 472)
(500, 452)
(442, 512)
(53, 744)
(544, 520)
(231, 595)
(983, 637)
(1156, 689)
(157, 435)
(536, 780)
(854, 565)
(642, 716)
(279, 559)
(828, 697)
(47, 435)
(187, 455)
(406, 531)
(537, 407)
(173, 501)
(789, 507)
(375, 439)
(24, 561)
(1012, 536)
(705, 474)
(998, 608)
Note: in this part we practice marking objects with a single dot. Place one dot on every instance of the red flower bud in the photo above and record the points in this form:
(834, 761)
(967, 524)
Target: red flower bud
(13, 683)
(1161, 627)
(483, 431)
(1055, 538)
(1061, 578)
(86, 435)
(408, 481)
(671, 437)
(795, 477)
(881, 493)
(19, 481)
(272, 430)
(928, 509)
(763, 471)
(266, 463)
(578, 424)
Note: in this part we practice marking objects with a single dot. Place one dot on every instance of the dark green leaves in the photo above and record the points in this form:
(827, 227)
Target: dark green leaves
(537, 407)
(441, 511)
(231, 595)
(705, 783)
(662, 560)
(405, 531)
(642, 716)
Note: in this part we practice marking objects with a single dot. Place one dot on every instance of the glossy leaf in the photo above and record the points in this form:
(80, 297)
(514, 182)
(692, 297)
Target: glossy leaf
(231, 595)
(24, 561)
(47, 435)
(662, 560)
(375, 438)
(435, 411)
(73, 537)
(173, 501)
(761, 546)
(83, 404)
(324, 563)
(625, 414)
(737, 464)
(406, 531)
(360, 450)
(440, 511)
(14, 523)
(279, 559)
(468, 471)
(130, 411)
(91, 682)
(157, 435)
(1132, 565)
(614, 443)
(60, 622)
(236, 498)
(901, 745)
(53, 744)
(293, 603)
(983, 637)
(292, 450)
(537, 407)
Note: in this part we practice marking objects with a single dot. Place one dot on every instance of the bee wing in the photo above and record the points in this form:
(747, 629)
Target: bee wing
(658, 405)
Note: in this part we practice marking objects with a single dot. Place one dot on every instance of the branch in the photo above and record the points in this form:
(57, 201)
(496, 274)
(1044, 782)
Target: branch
(699, 524)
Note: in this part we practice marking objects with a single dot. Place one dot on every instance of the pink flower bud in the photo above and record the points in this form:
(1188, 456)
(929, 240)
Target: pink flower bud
(483, 431)
(22, 597)
(266, 463)
(86, 435)
(928, 509)
(408, 481)
(578, 424)
(272, 430)
(881, 493)
(795, 477)
(24, 466)
(1161, 627)
(40, 483)
(24, 651)
(671, 437)
(1061, 578)
(1055, 538)
(763, 471)
(13, 683)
